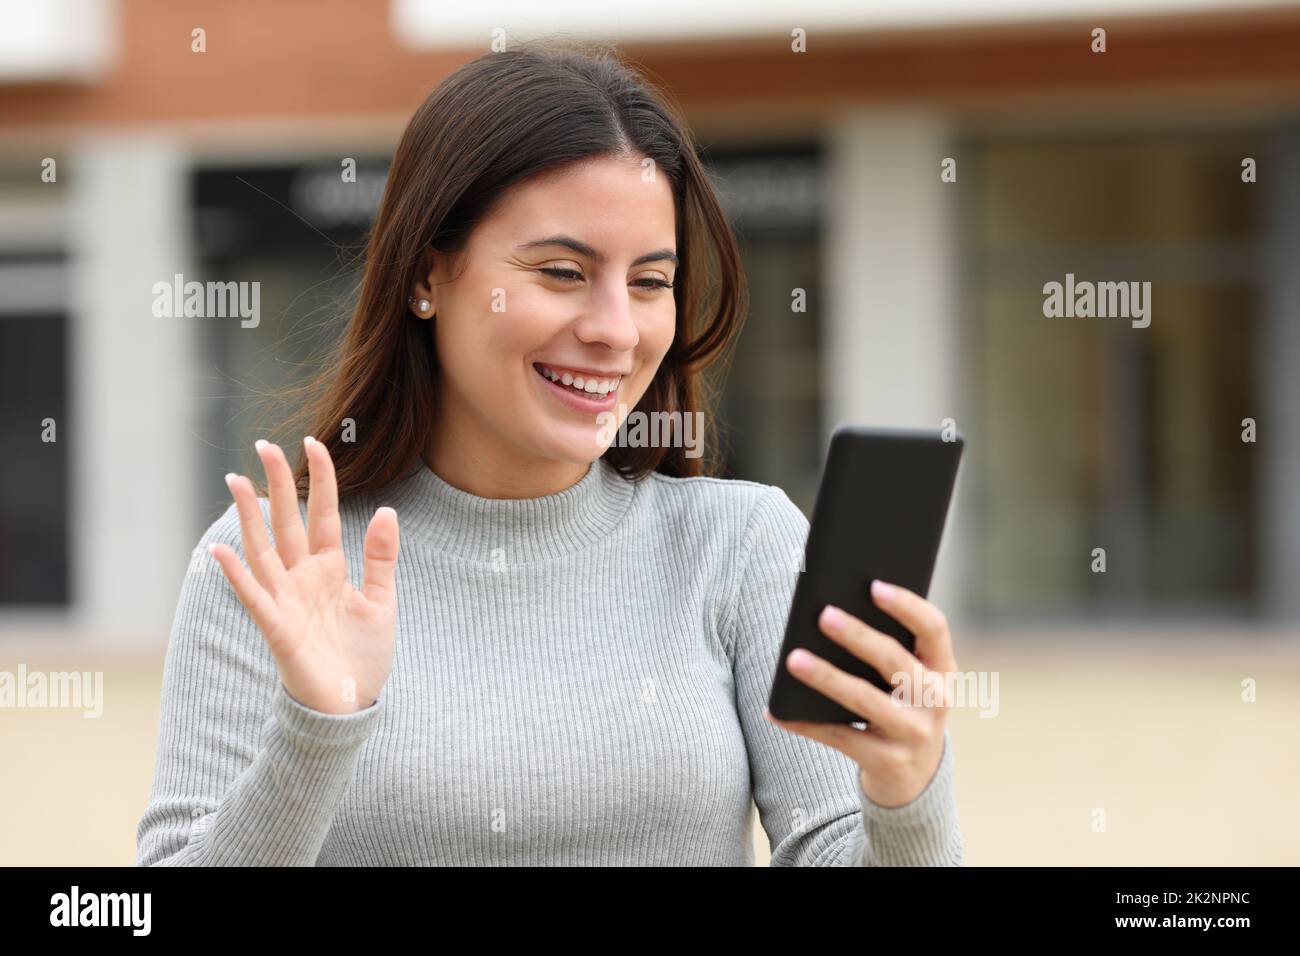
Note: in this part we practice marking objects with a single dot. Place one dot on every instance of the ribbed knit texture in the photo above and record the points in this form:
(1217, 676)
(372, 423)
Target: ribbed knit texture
(579, 679)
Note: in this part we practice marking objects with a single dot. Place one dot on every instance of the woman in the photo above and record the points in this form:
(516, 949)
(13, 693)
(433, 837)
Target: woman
(569, 661)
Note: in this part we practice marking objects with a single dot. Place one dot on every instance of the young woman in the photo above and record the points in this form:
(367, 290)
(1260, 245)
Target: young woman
(567, 659)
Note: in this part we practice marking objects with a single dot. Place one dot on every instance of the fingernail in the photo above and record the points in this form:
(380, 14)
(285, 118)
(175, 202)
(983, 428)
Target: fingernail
(832, 616)
(881, 590)
(307, 441)
(260, 444)
(800, 660)
(230, 477)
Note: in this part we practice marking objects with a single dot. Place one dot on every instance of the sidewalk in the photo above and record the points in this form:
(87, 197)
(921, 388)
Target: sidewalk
(1185, 772)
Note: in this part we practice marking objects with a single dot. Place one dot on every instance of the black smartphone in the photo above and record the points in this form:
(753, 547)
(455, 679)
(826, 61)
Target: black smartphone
(880, 513)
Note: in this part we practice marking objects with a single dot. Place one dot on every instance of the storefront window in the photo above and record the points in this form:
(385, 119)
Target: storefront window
(1101, 434)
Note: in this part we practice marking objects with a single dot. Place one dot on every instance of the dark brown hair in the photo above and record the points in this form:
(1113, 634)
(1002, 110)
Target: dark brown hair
(491, 124)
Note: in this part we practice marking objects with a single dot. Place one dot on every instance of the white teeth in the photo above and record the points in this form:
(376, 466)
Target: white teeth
(592, 386)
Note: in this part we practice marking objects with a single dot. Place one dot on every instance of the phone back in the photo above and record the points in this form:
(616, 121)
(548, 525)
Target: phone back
(880, 513)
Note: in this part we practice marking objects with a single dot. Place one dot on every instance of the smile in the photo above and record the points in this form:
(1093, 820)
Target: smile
(599, 386)
(588, 394)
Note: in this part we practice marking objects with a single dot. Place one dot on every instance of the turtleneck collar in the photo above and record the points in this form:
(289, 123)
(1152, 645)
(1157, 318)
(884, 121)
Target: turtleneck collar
(525, 529)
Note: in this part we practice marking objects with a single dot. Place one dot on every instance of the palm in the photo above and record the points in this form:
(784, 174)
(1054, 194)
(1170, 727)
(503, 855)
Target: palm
(333, 643)
(321, 615)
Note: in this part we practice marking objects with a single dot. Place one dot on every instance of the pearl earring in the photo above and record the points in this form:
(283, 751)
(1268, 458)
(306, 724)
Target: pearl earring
(421, 306)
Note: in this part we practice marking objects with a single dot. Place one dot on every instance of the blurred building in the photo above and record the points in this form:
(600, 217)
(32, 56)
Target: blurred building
(829, 129)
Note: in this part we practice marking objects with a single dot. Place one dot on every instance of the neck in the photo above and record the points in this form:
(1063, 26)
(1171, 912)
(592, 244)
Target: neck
(500, 473)
(529, 478)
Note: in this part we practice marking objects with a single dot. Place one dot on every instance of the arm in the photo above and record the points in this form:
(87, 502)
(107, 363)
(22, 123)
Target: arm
(809, 796)
(244, 775)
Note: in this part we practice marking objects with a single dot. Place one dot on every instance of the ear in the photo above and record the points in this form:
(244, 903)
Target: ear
(424, 292)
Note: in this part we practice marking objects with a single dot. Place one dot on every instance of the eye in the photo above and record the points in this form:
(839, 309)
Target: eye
(650, 282)
(564, 275)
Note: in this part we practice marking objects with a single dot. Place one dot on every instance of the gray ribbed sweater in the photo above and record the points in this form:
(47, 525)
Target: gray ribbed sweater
(578, 679)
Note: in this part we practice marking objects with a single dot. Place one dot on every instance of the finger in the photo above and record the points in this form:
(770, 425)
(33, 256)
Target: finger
(259, 553)
(258, 603)
(857, 695)
(324, 531)
(380, 556)
(286, 519)
(864, 642)
(926, 622)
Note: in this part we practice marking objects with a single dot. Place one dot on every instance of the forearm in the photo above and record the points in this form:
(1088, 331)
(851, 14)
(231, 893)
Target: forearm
(279, 809)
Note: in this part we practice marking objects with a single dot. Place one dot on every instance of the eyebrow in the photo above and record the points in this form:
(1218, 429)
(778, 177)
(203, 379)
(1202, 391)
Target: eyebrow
(582, 248)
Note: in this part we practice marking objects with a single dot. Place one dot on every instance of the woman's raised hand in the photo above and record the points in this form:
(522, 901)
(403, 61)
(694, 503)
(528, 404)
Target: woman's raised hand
(333, 644)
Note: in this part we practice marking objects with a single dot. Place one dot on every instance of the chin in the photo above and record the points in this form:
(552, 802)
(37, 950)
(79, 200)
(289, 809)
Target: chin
(575, 448)
(583, 454)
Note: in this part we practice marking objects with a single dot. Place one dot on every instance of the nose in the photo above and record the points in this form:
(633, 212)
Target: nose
(608, 320)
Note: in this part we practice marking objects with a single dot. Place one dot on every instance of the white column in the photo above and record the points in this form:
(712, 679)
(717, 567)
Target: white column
(892, 336)
(131, 435)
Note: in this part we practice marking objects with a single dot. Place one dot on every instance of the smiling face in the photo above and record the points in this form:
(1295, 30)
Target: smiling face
(568, 279)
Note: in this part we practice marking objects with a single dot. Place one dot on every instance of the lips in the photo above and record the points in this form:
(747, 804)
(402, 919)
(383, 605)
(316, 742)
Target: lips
(584, 380)
(576, 399)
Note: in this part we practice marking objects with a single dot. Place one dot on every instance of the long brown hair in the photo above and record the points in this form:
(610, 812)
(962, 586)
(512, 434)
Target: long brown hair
(492, 123)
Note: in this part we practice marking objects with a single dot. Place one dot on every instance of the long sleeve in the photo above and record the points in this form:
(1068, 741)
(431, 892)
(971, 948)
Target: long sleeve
(245, 775)
(809, 796)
